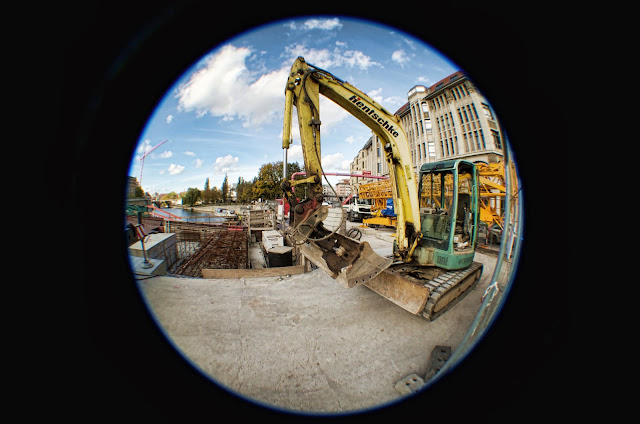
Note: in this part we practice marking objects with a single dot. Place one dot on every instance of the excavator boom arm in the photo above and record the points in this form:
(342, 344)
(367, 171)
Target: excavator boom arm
(304, 85)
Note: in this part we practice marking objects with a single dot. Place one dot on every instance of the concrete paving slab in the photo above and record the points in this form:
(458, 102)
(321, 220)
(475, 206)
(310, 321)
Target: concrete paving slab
(304, 342)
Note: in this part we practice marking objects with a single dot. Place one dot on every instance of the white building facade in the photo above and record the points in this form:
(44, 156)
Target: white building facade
(449, 120)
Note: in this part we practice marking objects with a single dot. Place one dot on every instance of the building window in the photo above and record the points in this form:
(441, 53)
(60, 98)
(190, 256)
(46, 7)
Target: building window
(496, 139)
(487, 112)
(475, 112)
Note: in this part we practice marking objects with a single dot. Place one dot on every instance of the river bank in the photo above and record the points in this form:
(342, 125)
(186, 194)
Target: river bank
(237, 208)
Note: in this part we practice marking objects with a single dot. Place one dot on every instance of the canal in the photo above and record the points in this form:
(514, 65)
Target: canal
(188, 215)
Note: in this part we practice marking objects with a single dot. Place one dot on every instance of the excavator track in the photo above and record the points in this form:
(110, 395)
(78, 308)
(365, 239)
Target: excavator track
(425, 292)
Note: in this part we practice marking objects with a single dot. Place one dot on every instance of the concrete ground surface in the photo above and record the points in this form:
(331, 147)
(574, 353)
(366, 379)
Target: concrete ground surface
(304, 343)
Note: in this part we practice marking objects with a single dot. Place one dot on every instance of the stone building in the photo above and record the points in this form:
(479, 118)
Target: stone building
(463, 123)
(448, 120)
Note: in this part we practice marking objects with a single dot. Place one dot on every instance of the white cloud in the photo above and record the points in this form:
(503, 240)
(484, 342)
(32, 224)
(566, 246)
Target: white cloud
(225, 88)
(335, 162)
(376, 95)
(329, 59)
(143, 148)
(295, 153)
(199, 163)
(321, 24)
(189, 153)
(330, 114)
(166, 154)
(410, 43)
(169, 119)
(175, 169)
(225, 164)
(324, 24)
(400, 56)
(350, 140)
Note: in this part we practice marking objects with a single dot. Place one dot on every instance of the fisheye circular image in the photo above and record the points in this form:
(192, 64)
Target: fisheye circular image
(324, 215)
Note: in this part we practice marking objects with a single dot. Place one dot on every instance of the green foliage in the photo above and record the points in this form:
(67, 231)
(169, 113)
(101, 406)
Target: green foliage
(244, 191)
(170, 196)
(138, 192)
(225, 189)
(191, 197)
(266, 186)
(216, 195)
(206, 193)
(270, 177)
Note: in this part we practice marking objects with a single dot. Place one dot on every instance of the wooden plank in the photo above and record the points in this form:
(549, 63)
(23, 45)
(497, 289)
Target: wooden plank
(253, 273)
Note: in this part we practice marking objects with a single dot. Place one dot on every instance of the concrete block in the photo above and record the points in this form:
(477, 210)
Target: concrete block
(410, 384)
(271, 239)
(158, 246)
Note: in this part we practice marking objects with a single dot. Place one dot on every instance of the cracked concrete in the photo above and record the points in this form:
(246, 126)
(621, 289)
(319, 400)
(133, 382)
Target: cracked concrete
(304, 342)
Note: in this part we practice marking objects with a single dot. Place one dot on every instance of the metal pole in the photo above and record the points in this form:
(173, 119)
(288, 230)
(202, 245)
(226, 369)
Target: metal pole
(145, 263)
(284, 177)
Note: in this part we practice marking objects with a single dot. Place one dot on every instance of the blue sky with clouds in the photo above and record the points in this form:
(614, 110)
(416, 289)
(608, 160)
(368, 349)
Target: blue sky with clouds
(224, 115)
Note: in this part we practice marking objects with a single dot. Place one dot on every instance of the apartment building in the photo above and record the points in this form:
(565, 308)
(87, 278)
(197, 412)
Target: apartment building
(463, 123)
(448, 120)
(342, 188)
(370, 160)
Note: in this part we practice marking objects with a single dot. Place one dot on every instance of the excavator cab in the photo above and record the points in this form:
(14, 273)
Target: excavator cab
(441, 270)
(448, 199)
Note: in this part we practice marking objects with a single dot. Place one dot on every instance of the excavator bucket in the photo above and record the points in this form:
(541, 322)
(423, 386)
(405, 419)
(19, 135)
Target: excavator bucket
(353, 264)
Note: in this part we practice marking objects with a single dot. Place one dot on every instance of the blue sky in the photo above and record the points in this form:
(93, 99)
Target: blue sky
(224, 115)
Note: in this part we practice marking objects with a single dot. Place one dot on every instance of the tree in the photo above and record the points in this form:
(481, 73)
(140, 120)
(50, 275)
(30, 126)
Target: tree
(191, 196)
(244, 191)
(225, 189)
(170, 196)
(216, 195)
(270, 178)
(206, 194)
(138, 192)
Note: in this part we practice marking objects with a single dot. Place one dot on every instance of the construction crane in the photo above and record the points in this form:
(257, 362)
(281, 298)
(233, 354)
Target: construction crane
(144, 156)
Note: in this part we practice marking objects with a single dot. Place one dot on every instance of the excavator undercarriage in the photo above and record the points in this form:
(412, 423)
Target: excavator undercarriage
(427, 292)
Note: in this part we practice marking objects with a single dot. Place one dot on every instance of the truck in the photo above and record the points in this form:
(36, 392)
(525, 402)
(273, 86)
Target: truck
(357, 209)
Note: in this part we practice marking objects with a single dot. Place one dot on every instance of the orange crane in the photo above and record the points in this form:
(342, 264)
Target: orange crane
(491, 187)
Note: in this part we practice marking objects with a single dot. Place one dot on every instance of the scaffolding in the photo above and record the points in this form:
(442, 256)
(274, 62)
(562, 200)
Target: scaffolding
(491, 190)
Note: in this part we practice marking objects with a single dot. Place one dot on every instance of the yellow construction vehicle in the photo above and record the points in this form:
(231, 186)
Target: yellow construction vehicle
(432, 265)
(382, 209)
(492, 192)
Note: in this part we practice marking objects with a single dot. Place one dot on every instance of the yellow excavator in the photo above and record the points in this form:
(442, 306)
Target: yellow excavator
(437, 219)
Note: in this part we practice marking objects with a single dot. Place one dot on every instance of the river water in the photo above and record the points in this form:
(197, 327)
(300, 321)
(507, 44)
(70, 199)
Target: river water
(189, 215)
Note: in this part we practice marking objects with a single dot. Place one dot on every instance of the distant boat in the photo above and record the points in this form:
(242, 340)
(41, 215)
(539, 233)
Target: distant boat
(224, 213)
